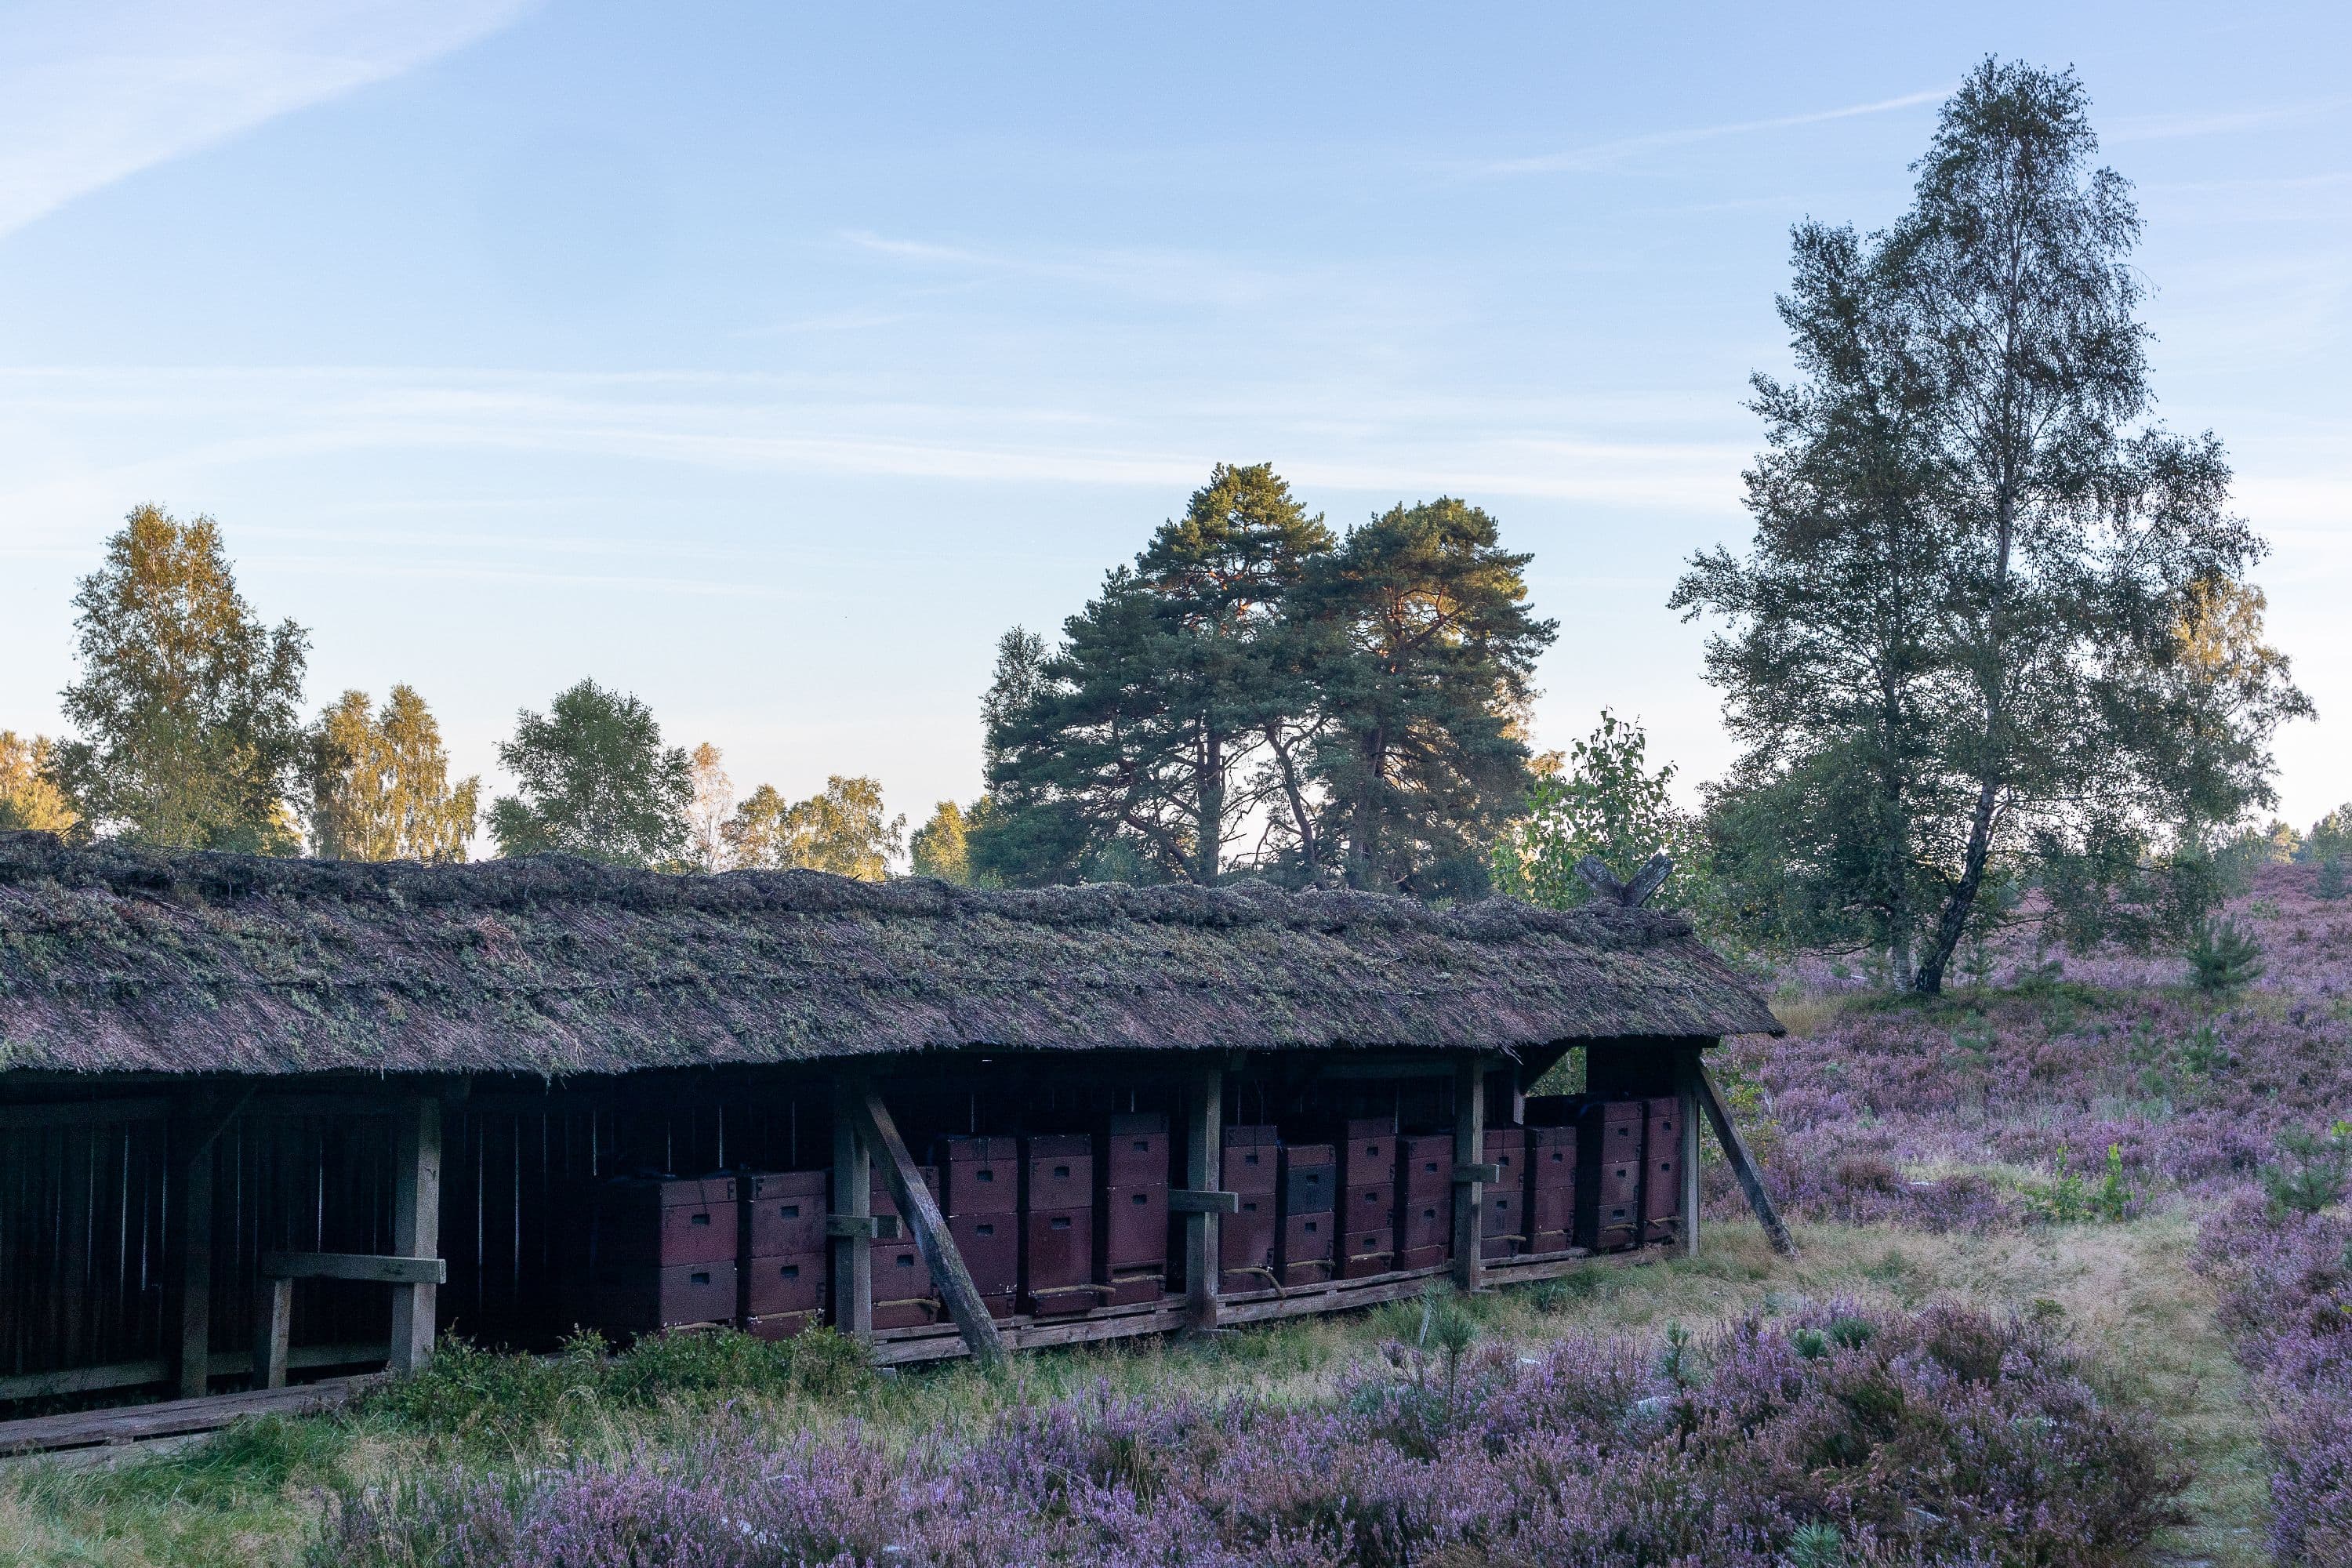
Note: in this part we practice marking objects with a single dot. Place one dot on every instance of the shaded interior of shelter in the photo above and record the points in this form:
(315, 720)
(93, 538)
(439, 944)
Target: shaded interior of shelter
(306, 1166)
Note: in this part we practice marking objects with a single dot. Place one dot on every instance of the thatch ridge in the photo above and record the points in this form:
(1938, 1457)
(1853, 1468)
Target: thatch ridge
(117, 959)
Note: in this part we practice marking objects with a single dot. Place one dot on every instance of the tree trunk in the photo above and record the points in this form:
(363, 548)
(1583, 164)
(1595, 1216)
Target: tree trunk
(1960, 902)
(1212, 819)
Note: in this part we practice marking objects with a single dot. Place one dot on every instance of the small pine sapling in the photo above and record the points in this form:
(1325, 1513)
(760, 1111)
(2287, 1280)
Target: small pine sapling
(2314, 1173)
(2223, 958)
(2332, 884)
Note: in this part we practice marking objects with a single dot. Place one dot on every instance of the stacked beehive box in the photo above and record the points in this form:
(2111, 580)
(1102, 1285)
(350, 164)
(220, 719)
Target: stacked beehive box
(1551, 1187)
(784, 1251)
(1057, 1224)
(1425, 1200)
(1661, 1166)
(1131, 1245)
(1245, 1238)
(981, 1192)
(1367, 1197)
(904, 1295)
(1503, 1229)
(655, 1253)
(1307, 1249)
(1610, 1134)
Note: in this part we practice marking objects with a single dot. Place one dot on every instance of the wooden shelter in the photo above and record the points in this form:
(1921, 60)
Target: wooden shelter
(265, 1117)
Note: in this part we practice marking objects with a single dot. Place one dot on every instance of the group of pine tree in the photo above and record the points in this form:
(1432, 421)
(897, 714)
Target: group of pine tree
(1993, 637)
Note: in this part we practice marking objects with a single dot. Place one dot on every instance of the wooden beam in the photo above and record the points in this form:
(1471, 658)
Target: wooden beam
(137, 1422)
(1204, 1173)
(1595, 874)
(1735, 1152)
(1649, 879)
(415, 1226)
(273, 1324)
(369, 1267)
(137, 1373)
(1189, 1199)
(916, 1205)
(81, 1113)
(853, 1200)
(1470, 1154)
(1687, 1070)
(869, 1227)
(190, 1224)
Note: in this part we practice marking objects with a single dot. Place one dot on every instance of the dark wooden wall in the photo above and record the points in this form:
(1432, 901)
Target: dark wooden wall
(88, 1207)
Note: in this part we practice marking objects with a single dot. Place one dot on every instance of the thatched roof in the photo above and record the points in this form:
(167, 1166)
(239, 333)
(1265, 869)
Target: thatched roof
(113, 960)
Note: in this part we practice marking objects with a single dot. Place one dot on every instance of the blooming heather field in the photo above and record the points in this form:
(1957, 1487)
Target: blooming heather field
(1991, 1105)
(2043, 1315)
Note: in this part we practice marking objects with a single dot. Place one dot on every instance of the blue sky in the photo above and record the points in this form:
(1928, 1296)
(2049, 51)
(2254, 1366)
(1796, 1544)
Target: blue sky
(768, 361)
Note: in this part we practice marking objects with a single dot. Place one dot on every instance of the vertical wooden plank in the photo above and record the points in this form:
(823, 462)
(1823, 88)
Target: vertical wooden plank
(853, 1197)
(415, 1226)
(1204, 1173)
(1469, 1148)
(193, 1276)
(273, 1326)
(1687, 1108)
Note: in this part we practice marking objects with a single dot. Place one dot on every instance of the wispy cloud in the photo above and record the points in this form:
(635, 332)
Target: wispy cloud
(93, 91)
(1599, 156)
(2171, 127)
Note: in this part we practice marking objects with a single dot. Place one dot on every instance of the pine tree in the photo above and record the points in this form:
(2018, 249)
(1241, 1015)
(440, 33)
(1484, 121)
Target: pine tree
(596, 781)
(1418, 650)
(188, 708)
(2223, 958)
(380, 785)
(1143, 728)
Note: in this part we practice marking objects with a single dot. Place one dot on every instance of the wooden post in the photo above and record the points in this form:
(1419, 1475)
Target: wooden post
(932, 1239)
(1469, 1158)
(415, 1226)
(853, 1200)
(273, 1322)
(1736, 1152)
(1204, 1171)
(194, 1273)
(1688, 1109)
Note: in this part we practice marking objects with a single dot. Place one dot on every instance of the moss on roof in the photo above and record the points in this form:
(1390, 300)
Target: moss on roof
(114, 959)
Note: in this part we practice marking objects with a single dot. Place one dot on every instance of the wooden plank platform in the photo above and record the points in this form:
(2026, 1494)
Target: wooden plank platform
(137, 1422)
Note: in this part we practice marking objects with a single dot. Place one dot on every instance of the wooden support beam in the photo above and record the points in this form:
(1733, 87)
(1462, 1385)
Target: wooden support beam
(1204, 1138)
(1687, 1095)
(867, 1228)
(1735, 1152)
(363, 1266)
(1187, 1200)
(415, 1226)
(853, 1200)
(1470, 1159)
(932, 1239)
(198, 1129)
(273, 1324)
(81, 1113)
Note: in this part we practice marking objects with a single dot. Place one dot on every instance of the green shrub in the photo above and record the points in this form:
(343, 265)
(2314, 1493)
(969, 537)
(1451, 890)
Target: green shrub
(2320, 1167)
(487, 1396)
(2223, 958)
(2332, 884)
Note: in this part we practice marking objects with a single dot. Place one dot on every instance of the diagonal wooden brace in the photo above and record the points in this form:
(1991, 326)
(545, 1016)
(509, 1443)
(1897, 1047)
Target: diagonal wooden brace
(932, 1239)
(1743, 1167)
